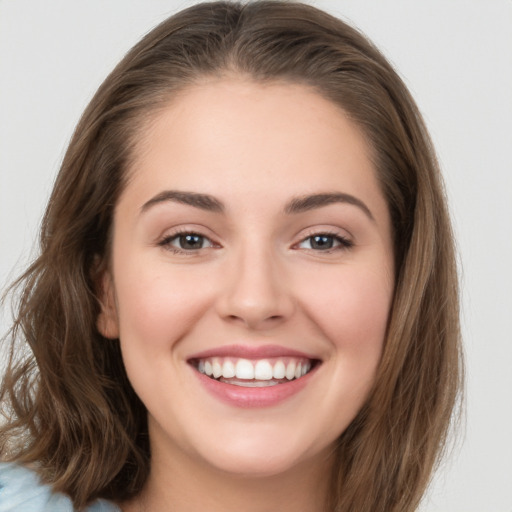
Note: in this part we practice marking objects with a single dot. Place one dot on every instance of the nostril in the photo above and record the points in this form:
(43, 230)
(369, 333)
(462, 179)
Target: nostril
(255, 320)
(255, 306)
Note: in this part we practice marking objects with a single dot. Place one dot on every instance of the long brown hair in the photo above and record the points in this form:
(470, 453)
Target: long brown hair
(69, 406)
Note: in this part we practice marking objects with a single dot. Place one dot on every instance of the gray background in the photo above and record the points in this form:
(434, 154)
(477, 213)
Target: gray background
(455, 56)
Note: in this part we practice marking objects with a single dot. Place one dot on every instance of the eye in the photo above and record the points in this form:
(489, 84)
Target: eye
(186, 242)
(325, 242)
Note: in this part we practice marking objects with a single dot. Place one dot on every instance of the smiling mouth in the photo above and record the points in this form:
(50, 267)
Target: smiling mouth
(254, 373)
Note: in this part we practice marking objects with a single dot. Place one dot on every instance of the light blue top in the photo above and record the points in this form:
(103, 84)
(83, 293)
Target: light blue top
(22, 491)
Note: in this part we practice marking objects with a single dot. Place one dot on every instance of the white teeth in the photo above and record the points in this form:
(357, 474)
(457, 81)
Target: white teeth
(263, 370)
(244, 369)
(217, 368)
(290, 370)
(269, 371)
(279, 370)
(228, 370)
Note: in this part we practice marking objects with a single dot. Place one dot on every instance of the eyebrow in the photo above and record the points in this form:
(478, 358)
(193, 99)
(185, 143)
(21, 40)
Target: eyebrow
(310, 202)
(202, 201)
(296, 205)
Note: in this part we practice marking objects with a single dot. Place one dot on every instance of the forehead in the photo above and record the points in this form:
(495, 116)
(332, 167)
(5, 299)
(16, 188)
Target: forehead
(272, 139)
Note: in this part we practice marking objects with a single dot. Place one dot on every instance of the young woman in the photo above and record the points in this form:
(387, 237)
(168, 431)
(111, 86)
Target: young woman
(246, 297)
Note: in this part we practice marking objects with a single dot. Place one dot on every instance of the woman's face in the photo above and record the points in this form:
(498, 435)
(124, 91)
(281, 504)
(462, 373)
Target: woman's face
(252, 243)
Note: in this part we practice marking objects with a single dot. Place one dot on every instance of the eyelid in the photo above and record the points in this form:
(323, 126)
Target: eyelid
(177, 237)
(184, 229)
(345, 240)
(165, 240)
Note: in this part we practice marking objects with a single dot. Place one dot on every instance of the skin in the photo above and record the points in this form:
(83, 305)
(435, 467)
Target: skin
(256, 280)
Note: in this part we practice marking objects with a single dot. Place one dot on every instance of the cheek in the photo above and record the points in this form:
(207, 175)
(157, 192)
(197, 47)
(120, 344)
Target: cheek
(157, 304)
(352, 309)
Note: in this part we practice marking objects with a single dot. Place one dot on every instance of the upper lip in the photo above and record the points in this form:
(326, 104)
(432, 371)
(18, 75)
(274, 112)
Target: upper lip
(251, 352)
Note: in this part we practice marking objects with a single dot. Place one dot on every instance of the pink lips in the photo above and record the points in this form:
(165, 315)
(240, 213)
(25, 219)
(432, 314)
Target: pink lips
(249, 397)
(251, 352)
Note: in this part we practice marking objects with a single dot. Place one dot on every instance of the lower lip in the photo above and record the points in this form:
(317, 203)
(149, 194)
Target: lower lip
(240, 396)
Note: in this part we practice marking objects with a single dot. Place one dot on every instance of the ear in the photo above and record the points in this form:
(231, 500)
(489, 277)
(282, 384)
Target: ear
(107, 322)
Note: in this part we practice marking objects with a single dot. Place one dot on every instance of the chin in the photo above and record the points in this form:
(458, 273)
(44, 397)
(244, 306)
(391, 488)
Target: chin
(263, 452)
(257, 465)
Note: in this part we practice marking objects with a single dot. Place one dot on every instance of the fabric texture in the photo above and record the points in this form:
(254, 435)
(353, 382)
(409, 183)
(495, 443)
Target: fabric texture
(22, 491)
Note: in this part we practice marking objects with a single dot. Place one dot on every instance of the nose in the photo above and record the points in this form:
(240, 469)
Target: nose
(255, 291)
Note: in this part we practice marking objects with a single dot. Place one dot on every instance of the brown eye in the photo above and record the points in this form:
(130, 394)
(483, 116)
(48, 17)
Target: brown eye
(190, 241)
(321, 242)
(186, 242)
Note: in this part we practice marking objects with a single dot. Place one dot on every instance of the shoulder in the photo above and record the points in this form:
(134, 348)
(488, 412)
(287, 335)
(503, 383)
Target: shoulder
(22, 491)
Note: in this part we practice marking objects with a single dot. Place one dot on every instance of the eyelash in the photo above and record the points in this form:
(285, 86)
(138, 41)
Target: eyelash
(344, 243)
(166, 242)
